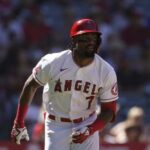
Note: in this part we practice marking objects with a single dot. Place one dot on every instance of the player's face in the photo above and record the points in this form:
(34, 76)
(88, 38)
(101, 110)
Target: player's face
(86, 45)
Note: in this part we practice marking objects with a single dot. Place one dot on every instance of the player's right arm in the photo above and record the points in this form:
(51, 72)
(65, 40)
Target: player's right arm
(19, 131)
(39, 77)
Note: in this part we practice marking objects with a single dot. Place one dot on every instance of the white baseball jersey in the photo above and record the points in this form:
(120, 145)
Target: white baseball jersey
(71, 91)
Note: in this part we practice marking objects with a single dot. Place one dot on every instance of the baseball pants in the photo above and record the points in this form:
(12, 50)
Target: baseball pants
(58, 137)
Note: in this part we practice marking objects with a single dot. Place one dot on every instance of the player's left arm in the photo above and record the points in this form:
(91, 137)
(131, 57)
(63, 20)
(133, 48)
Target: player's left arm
(107, 115)
(108, 101)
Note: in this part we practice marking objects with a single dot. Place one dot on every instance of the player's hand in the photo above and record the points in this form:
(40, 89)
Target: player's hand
(18, 134)
(81, 135)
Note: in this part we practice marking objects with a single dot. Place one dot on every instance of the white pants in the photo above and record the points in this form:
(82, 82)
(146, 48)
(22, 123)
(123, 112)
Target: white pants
(58, 137)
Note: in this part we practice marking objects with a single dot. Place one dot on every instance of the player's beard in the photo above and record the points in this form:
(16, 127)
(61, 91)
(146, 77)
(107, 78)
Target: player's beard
(86, 53)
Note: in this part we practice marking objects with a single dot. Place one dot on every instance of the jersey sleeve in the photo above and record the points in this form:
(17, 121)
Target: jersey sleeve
(109, 90)
(41, 72)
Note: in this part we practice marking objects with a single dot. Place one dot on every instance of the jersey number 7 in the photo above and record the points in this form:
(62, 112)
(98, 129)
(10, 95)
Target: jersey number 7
(90, 99)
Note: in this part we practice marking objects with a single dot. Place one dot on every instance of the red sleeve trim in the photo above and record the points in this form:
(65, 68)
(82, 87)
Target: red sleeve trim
(111, 106)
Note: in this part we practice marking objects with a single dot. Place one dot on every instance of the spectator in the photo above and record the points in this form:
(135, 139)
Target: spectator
(134, 132)
(121, 132)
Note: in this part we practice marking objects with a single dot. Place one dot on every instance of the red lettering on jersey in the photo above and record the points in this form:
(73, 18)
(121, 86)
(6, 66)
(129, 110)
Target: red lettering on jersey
(86, 87)
(78, 85)
(58, 86)
(68, 84)
(93, 89)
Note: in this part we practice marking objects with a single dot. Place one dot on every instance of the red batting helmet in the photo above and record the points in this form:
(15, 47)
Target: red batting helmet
(84, 26)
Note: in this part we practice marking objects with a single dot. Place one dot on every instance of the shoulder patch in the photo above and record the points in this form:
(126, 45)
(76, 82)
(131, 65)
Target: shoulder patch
(114, 89)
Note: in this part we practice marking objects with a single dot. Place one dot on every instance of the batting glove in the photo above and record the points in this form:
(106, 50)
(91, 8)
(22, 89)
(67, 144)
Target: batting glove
(81, 135)
(19, 134)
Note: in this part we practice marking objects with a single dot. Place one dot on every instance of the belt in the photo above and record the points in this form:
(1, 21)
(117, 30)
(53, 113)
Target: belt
(62, 119)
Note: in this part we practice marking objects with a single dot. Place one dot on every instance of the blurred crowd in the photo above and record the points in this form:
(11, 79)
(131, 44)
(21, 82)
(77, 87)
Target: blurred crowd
(30, 29)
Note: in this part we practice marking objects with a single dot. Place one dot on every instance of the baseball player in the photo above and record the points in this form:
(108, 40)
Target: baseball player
(74, 80)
